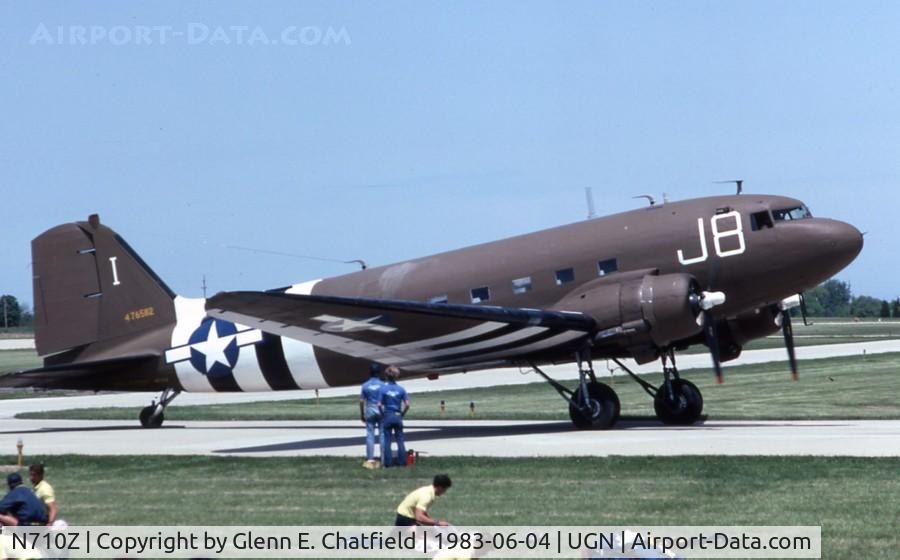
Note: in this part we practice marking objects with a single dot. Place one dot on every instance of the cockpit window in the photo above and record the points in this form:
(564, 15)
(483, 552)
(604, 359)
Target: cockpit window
(795, 213)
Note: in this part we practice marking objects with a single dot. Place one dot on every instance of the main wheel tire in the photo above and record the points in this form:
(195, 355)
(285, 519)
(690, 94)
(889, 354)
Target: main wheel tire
(686, 407)
(148, 419)
(604, 408)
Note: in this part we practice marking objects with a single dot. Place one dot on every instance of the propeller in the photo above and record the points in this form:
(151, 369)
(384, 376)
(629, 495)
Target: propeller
(706, 302)
(712, 341)
(788, 329)
(803, 311)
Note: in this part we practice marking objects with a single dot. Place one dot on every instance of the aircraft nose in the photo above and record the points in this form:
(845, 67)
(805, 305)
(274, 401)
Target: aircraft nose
(815, 249)
(845, 241)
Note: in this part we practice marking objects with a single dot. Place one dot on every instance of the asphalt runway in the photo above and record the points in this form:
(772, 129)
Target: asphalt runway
(864, 438)
(868, 438)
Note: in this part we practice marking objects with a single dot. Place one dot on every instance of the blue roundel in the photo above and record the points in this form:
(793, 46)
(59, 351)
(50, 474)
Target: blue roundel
(214, 347)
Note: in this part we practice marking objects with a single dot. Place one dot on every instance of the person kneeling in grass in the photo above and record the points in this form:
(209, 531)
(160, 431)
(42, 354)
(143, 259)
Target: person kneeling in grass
(413, 510)
(21, 506)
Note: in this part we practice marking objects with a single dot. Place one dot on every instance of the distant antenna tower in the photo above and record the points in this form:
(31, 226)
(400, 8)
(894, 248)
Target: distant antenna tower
(589, 195)
(203, 286)
(738, 182)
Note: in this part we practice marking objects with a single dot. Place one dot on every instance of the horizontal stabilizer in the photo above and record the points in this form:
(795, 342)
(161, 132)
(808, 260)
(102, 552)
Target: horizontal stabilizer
(82, 375)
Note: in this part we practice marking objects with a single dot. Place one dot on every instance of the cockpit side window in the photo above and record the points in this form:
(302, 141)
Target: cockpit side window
(795, 213)
(761, 220)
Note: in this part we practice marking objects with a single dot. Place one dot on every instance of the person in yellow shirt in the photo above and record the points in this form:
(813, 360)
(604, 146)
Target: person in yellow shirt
(43, 490)
(413, 510)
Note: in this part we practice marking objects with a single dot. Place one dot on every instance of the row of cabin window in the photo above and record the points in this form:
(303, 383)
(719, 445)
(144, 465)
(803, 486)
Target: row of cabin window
(523, 285)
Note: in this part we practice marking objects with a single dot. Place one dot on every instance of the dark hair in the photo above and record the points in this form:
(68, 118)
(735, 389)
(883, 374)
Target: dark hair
(442, 480)
(374, 369)
(37, 468)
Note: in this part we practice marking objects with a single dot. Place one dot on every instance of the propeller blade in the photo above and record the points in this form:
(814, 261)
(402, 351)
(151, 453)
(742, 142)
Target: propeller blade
(788, 330)
(712, 341)
(803, 311)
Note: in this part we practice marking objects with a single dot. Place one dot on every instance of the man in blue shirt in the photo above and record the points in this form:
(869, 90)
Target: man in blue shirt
(394, 404)
(21, 506)
(370, 411)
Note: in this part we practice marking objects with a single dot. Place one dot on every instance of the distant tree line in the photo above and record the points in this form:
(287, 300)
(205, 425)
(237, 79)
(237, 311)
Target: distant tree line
(13, 314)
(835, 299)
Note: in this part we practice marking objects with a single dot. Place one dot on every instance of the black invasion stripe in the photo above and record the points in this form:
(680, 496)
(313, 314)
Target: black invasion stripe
(270, 355)
(172, 375)
(224, 383)
(478, 338)
(436, 361)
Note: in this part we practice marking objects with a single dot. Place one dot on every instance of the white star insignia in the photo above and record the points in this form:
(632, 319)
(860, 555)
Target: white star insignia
(213, 348)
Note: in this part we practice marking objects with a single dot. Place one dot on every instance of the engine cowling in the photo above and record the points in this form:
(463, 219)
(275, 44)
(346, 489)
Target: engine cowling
(650, 311)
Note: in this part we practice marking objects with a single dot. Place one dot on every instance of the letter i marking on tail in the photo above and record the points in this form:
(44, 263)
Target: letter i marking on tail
(115, 271)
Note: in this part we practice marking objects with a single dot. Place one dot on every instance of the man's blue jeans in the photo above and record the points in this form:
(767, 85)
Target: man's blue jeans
(392, 428)
(373, 425)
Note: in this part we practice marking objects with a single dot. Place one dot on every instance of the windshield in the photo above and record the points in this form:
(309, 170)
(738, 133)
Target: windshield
(795, 213)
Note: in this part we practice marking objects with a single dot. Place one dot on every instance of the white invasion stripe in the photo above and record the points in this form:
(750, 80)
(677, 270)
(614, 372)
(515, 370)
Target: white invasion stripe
(304, 288)
(189, 313)
(452, 337)
(246, 371)
(302, 363)
(490, 343)
(300, 357)
(534, 347)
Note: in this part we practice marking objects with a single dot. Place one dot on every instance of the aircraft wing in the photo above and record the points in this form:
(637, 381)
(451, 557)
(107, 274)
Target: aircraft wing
(412, 335)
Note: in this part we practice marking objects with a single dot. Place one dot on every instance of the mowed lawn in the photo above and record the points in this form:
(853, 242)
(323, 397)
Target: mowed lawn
(854, 500)
(14, 360)
(834, 388)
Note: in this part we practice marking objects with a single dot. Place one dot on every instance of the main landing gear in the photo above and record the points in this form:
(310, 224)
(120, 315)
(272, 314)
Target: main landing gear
(677, 401)
(595, 406)
(152, 416)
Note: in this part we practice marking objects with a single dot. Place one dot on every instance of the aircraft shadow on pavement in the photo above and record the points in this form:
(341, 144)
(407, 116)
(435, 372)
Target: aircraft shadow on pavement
(412, 435)
(415, 433)
(420, 433)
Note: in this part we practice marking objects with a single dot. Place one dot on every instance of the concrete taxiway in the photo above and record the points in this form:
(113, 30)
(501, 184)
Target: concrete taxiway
(863, 438)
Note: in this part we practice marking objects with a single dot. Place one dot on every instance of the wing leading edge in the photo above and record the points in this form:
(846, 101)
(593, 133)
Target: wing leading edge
(412, 335)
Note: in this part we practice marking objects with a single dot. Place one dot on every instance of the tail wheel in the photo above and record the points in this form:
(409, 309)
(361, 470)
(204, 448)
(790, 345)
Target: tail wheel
(149, 419)
(602, 410)
(683, 407)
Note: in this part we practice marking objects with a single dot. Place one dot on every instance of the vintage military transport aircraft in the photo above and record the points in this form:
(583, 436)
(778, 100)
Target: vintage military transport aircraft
(718, 271)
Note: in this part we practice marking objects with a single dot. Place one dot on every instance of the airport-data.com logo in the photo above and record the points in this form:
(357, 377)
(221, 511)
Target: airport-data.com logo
(194, 33)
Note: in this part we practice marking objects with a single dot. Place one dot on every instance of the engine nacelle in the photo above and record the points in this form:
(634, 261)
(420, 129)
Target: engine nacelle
(650, 310)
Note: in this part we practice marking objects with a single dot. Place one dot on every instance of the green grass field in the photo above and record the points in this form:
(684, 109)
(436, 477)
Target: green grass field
(834, 388)
(13, 360)
(854, 500)
(827, 331)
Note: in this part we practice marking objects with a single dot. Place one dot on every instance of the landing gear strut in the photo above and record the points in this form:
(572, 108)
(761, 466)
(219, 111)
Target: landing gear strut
(593, 405)
(677, 401)
(152, 416)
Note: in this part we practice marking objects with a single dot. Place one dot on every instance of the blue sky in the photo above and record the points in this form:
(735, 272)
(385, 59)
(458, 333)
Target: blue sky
(427, 126)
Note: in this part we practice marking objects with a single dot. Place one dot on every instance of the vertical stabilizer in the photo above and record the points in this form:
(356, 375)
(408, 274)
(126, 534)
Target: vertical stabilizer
(90, 286)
